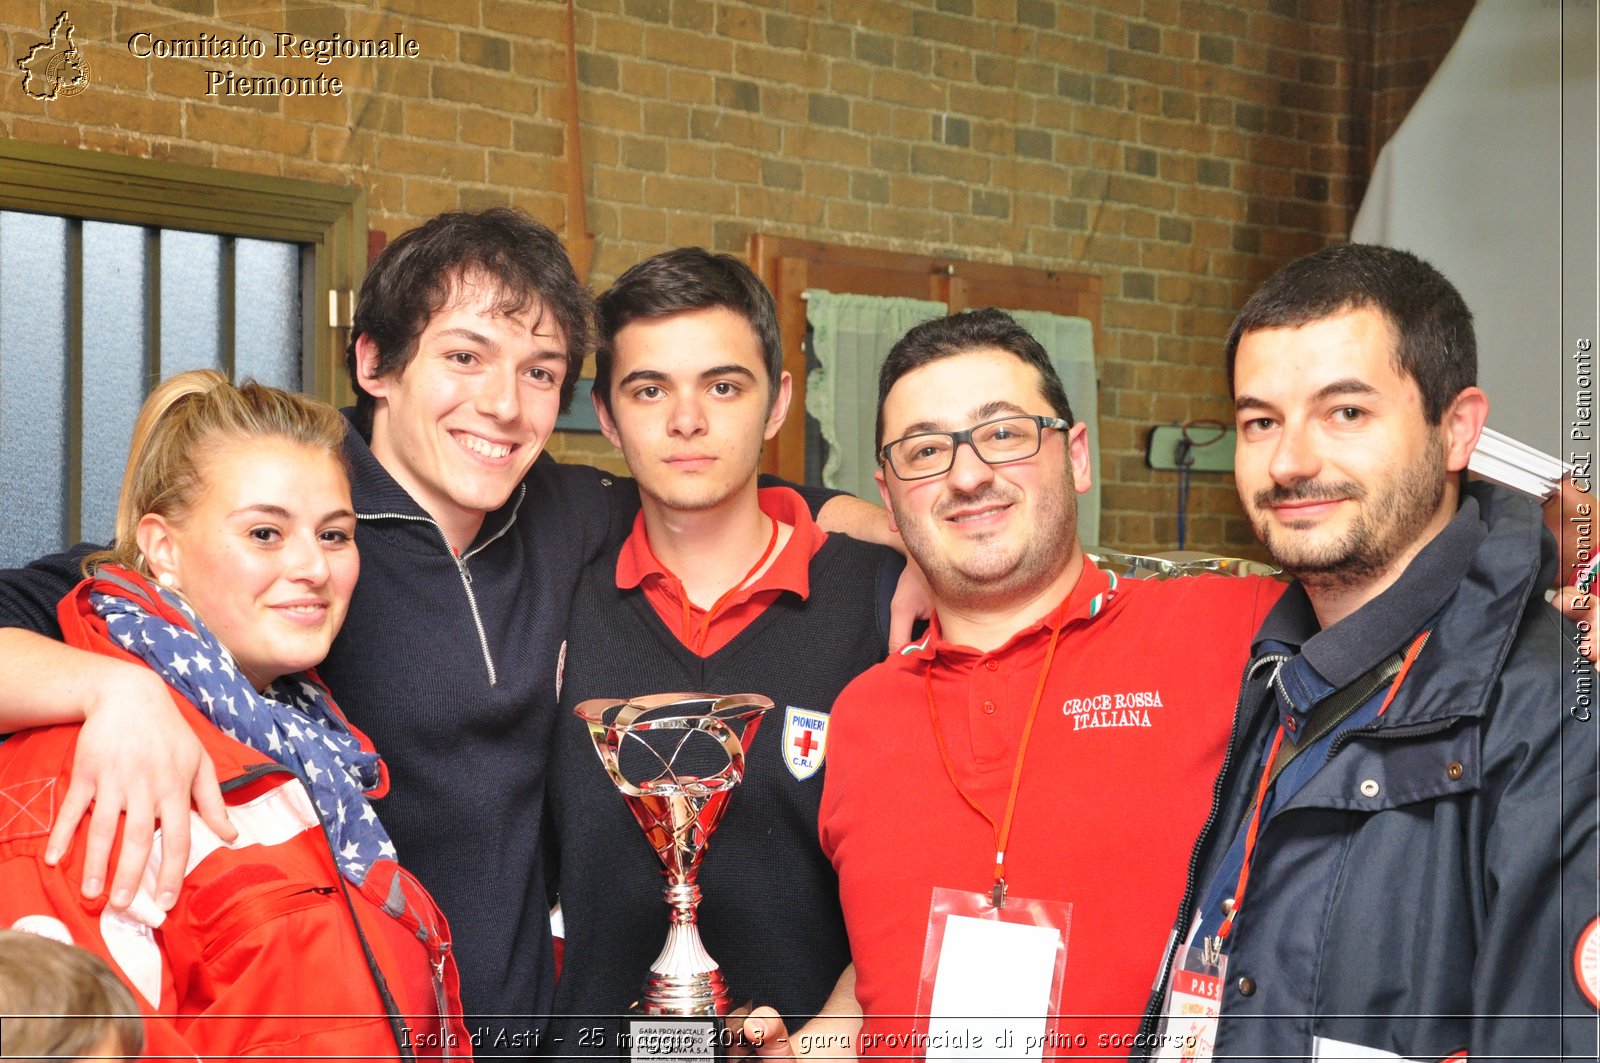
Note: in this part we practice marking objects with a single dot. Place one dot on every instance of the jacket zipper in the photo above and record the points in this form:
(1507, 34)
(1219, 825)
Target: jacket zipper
(1180, 933)
(461, 570)
(441, 949)
(1413, 731)
(1153, 1013)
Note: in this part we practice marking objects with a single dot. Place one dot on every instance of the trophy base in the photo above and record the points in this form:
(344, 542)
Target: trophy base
(676, 1038)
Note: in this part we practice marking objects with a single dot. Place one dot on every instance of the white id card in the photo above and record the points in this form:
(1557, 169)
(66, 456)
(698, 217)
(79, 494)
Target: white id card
(1194, 1000)
(991, 976)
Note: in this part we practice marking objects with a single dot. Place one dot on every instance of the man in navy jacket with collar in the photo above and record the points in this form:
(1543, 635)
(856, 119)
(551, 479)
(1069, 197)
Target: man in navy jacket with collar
(1400, 863)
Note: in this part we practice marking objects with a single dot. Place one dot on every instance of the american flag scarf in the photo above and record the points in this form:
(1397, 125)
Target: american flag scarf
(292, 721)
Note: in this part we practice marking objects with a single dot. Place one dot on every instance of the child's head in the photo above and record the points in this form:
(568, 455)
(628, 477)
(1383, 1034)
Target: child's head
(59, 1002)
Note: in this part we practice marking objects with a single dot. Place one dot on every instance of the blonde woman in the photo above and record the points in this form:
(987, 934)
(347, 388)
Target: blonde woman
(232, 568)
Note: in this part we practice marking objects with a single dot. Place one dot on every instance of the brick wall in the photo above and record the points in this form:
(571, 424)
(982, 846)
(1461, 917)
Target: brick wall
(1408, 43)
(1182, 149)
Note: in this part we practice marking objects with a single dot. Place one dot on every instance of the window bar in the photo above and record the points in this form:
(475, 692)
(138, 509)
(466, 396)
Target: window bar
(152, 299)
(225, 307)
(72, 467)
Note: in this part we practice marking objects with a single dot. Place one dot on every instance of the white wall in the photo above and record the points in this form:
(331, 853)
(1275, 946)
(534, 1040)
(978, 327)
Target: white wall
(1492, 179)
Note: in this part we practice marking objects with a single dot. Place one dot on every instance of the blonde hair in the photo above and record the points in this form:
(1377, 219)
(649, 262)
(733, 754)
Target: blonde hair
(183, 418)
(60, 1001)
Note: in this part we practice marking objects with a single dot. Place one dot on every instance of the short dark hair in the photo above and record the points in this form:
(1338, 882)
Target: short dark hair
(675, 282)
(418, 273)
(1435, 344)
(970, 330)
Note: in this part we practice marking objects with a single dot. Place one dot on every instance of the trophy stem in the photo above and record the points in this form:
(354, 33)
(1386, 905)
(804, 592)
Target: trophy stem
(684, 979)
(683, 898)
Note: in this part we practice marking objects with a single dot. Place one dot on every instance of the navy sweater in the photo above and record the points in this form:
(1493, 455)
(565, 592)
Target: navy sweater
(770, 914)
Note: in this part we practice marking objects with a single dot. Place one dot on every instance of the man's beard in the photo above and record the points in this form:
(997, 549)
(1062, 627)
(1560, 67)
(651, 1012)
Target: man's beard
(1392, 517)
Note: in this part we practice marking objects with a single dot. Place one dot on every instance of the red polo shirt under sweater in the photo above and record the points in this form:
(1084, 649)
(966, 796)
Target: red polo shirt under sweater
(791, 571)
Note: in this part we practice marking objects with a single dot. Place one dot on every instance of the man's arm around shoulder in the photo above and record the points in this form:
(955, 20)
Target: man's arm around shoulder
(134, 754)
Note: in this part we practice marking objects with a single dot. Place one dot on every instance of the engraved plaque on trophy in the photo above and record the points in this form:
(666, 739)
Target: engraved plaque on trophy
(645, 744)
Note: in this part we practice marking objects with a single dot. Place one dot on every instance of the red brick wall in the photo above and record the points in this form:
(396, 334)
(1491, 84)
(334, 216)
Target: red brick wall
(1183, 149)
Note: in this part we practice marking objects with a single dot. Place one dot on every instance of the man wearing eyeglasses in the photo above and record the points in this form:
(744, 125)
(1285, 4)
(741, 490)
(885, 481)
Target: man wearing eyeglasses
(1047, 696)
(1056, 735)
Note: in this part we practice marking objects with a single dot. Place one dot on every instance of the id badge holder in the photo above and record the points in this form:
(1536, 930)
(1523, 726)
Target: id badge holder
(991, 977)
(1194, 1000)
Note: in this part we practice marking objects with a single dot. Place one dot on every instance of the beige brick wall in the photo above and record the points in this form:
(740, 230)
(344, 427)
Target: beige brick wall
(1182, 149)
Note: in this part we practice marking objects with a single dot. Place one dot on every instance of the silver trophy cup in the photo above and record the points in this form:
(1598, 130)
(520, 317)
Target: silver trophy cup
(644, 744)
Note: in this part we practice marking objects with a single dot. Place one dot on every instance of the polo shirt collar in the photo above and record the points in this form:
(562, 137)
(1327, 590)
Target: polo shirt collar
(790, 570)
(1088, 599)
(1323, 661)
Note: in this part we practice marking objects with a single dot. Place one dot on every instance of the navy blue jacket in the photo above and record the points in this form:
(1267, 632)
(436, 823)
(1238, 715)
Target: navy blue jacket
(1425, 891)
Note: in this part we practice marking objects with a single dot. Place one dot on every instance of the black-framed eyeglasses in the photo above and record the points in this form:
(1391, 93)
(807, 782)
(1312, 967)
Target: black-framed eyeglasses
(924, 454)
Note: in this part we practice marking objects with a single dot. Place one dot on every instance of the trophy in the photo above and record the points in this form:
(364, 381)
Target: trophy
(649, 745)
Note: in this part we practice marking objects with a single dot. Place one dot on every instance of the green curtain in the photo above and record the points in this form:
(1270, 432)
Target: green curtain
(851, 336)
(1070, 343)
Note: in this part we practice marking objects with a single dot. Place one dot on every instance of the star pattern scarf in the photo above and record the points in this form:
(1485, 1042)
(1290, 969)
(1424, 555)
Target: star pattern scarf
(292, 721)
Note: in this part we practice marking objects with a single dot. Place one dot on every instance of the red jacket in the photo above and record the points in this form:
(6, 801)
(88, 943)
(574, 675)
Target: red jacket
(268, 951)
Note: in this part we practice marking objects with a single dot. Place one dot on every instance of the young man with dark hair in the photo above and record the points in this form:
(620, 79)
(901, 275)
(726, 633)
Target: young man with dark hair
(521, 264)
(1400, 862)
(470, 330)
(724, 588)
(1436, 345)
(674, 282)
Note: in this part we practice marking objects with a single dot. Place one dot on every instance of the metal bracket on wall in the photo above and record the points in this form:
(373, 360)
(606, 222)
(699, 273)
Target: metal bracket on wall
(1211, 449)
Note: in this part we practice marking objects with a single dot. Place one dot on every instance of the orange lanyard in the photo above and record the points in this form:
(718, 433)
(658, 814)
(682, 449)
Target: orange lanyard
(1002, 830)
(1266, 778)
(696, 639)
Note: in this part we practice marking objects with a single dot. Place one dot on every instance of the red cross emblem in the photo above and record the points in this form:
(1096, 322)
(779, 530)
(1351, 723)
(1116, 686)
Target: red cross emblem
(805, 741)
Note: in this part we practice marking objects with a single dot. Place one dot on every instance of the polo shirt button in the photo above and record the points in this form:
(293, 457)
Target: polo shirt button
(992, 665)
(1369, 787)
(988, 708)
(1247, 986)
(1454, 769)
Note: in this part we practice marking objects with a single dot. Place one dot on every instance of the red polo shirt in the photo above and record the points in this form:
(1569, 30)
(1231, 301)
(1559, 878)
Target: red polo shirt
(637, 566)
(1131, 730)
